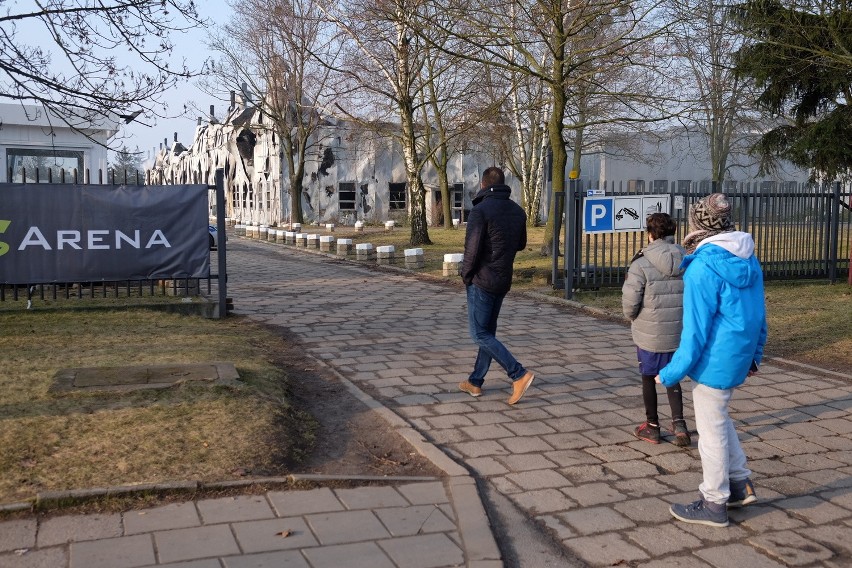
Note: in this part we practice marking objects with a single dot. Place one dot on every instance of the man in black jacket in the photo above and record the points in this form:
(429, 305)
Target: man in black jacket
(496, 230)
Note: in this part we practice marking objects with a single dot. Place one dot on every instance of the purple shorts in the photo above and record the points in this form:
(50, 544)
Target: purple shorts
(651, 363)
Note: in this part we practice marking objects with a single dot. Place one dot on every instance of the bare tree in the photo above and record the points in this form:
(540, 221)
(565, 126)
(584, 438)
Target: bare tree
(277, 50)
(381, 73)
(720, 104)
(94, 60)
(557, 42)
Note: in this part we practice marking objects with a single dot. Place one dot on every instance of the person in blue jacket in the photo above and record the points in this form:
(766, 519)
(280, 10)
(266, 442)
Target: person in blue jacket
(724, 331)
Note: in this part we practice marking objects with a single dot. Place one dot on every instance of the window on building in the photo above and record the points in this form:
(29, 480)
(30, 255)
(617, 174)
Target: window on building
(660, 186)
(396, 200)
(346, 196)
(43, 164)
(683, 185)
(636, 186)
(458, 201)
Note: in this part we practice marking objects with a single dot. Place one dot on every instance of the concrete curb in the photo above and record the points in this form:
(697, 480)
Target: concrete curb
(474, 526)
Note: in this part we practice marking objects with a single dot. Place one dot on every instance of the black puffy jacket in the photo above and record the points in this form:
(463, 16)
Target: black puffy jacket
(496, 230)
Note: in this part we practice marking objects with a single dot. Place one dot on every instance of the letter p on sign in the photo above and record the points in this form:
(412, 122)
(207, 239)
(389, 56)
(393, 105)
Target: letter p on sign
(597, 215)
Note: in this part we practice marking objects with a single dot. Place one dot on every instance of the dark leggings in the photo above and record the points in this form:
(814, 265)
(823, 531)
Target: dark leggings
(649, 396)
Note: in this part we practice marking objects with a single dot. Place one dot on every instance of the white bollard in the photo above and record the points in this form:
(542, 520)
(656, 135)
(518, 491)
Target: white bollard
(452, 263)
(414, 258)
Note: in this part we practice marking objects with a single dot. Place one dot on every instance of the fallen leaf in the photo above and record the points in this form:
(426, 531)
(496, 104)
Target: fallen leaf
(206, 445)
(22, 551)
(284, 533)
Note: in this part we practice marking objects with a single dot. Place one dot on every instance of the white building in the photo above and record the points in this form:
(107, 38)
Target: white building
(652, 164)
(351, 174)
(34, 143)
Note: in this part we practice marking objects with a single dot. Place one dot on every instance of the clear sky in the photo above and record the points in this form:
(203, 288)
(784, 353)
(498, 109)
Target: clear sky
(191, 46)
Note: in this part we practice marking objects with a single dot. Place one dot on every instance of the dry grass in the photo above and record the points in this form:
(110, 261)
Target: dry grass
(91, 439)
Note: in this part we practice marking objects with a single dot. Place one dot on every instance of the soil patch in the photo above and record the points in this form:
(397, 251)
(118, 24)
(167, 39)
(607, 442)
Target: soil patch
(348, 438)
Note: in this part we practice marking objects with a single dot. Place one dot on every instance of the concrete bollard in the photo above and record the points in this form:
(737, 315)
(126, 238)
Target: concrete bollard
(240, 230)
(456, 223)
(452, 263)
(344, 247)
(385, 254)
(301, 240)
(329, 227)
(252, 231)
(326, 242)
(359, 226)
(289, 238)
(389, 225)
(312, 241)
(365, 251)
(279, 236)
(296, 227)
(264, 233)
(414, 258)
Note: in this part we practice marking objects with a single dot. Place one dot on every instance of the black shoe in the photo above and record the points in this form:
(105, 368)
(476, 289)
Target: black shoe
(648, 432)
(681, 433)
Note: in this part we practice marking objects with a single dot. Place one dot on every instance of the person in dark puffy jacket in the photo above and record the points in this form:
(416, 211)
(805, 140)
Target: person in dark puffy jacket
(652, 299)
(496, 231)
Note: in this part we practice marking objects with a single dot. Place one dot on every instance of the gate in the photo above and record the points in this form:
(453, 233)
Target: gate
(800, 230)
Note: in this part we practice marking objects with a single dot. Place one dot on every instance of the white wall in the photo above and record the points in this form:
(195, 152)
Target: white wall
(31, 128)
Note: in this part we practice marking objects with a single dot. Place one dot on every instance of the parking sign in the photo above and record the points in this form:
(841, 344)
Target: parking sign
(621, 214)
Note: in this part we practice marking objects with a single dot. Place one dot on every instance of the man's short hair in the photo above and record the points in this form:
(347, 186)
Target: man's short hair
(493, 176)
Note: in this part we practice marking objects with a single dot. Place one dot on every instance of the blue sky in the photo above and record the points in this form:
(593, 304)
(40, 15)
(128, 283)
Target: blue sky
(191, 46)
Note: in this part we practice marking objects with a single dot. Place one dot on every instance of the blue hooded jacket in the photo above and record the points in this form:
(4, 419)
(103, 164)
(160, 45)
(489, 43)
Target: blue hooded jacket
(724, 314)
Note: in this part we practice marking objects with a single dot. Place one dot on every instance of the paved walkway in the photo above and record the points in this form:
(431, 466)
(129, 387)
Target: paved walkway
(565, 455)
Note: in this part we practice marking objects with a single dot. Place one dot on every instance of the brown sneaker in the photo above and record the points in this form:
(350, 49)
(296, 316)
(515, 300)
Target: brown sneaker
(470, 388)
(520, 386)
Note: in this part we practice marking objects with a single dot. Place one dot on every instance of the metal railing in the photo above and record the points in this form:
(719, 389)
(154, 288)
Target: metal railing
(800, 231)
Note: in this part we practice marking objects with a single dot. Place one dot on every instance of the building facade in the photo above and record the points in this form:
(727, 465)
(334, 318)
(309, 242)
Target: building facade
(36, 146)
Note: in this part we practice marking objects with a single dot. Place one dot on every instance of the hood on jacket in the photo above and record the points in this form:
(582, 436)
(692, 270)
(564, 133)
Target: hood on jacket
(665, 256)
(731, 256)
(495, 190)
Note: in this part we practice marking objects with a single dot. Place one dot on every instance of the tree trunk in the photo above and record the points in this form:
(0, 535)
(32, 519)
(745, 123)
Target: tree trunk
(560, 159)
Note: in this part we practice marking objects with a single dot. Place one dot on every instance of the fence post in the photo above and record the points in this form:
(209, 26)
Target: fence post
(221, 245)
(571, 231)
(834, 220)
(559, 211)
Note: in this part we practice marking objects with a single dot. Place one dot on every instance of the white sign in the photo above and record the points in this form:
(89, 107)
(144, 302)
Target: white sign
(595, 192)
(678, 202)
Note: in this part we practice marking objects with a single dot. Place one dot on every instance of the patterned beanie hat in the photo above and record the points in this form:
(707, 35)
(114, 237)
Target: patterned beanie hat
(711, 213)
(709, 216)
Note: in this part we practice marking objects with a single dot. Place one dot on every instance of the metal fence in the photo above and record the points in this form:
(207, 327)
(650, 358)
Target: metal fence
(124, 288)
(800, 230)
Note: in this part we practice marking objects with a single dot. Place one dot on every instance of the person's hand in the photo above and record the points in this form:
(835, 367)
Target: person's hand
(657, 380)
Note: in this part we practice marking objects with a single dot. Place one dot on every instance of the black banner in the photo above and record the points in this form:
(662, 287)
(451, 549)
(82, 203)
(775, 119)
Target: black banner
(89, 233)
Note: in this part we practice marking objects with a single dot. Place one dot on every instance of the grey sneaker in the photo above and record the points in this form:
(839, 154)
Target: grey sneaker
(701, 512)
(742, 493)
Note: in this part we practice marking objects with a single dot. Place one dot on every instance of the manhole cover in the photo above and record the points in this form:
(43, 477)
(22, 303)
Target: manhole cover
(142, 376)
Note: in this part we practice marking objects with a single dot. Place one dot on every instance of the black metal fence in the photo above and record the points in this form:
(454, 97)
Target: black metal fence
(123, 288)
(800, 230)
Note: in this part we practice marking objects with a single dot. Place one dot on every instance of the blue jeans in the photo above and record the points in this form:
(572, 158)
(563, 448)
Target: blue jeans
(722, 457)
(482, 312)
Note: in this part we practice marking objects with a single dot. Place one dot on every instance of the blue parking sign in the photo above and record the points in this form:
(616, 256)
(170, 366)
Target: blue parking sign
(597, 215)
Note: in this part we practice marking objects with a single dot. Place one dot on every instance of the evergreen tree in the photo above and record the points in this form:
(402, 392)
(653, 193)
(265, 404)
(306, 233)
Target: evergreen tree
(125, 160)
(800, 57)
